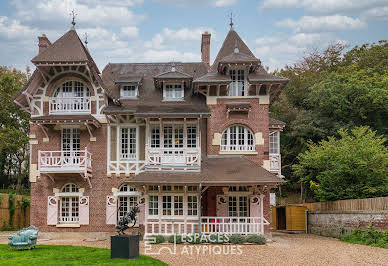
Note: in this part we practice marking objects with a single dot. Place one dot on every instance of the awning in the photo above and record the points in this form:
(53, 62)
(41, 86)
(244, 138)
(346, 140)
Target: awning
(66, 119)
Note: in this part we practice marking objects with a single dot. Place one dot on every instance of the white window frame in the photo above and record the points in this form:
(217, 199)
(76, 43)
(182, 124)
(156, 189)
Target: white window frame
(124, 91)
(130, 156)
(238, 205)
(234, 135)
(175, 95)
(74, 86)
(238, 86)
(128, 194)
(274, 142)
(71, 197)
(192, 209)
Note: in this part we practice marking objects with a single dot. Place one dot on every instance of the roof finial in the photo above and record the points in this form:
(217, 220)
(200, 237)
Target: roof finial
(73, 14)
(86, 40)
(173, 69)
(231, 20)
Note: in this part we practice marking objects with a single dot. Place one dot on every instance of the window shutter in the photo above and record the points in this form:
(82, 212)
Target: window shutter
(111, 210)
(254, 207)
(222, 206)
(84, 210)
(141, 212)
(52, 210)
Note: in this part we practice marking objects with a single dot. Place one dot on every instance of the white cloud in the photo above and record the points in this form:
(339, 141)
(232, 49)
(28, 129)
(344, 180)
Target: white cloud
(276, 51)
(129, 32)
(191, 3)
(11, 29)
(323, 23)
(323, 6)
(58, 12)
(112, 2)
(379, 13)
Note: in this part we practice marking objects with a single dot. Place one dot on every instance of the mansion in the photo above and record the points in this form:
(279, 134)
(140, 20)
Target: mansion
(192, 143)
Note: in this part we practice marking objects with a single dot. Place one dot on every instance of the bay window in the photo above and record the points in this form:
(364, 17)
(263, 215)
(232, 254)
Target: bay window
(237, 138)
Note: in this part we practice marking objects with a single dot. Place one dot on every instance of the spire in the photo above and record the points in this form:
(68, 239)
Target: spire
(73, 14)
(231, 20)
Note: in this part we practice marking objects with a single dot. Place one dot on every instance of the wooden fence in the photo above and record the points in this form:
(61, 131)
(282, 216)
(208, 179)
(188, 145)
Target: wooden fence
(21, 216)
(353, 205)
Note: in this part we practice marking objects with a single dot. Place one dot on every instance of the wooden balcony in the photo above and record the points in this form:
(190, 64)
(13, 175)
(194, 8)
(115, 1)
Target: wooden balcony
(180, 158)
(131, 166)
(71, 105)
(64, 162)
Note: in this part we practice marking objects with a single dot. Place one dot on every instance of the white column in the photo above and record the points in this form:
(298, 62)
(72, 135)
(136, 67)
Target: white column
(118, 128)
(108, 149)
(137, 148)
(262, 213)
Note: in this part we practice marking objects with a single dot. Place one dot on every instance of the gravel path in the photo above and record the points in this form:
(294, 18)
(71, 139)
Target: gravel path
(286, 249)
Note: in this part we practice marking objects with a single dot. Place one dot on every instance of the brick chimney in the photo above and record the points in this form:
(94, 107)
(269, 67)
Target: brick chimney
(205, 48)
(43, 42)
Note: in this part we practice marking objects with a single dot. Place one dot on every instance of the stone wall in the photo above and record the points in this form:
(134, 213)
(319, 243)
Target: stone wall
(335, 224)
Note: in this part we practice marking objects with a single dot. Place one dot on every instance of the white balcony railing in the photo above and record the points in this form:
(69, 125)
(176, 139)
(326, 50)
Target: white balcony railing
(126, 167)
(65, 161)
(68, 220)
(174, 157)
(209, 225)
(69, 105)
(275, 163)
(233, 225)
(238, 148)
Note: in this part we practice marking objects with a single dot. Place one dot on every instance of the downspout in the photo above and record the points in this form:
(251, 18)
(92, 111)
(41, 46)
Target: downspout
(199, 209)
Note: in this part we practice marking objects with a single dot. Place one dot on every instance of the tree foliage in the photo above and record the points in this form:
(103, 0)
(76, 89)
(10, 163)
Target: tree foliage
(330, 90)
(353, 166)
(14, 129)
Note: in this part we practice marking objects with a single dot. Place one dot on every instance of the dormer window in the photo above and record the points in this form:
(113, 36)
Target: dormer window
(173, 92)
(237, 87)
(129, 91)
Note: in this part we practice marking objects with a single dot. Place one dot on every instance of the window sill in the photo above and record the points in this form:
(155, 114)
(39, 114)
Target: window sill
(239, 152)
(68, 225)
(129, 97)
(173, 100)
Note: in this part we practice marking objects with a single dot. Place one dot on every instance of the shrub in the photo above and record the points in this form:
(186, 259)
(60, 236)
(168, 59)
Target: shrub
(368, 237)
(236, 239)
(156, 239)
(177, 239)
(256, 239)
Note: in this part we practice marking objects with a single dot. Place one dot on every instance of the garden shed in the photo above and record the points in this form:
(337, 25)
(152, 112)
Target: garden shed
(289, 218)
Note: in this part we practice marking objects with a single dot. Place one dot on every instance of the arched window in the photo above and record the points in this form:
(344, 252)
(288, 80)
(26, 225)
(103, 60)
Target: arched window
(69, 204)
(70, 97)
(128, 197)
(237, 138)
(72, 89)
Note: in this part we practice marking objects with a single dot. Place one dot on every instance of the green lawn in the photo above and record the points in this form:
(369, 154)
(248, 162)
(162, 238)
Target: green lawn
(67, 255)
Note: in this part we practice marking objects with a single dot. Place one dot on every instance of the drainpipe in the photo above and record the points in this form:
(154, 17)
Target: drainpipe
(199, 209)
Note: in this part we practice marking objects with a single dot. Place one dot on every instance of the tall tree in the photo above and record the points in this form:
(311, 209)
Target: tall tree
(14, 128)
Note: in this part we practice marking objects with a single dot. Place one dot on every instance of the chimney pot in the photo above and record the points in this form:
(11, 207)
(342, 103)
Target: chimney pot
(44, 42)
(205, 48)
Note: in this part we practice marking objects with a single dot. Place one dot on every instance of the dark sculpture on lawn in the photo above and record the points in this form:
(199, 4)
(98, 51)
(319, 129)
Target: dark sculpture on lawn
(128, 218)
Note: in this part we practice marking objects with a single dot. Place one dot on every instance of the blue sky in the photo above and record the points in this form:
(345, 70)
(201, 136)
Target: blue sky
(278, 32)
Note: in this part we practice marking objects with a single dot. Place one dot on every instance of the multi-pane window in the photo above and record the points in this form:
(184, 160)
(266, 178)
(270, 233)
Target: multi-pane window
(237, 138)
(127, 143)
(155, 137)
(127, 188)
(153, 188)
(71, 89)
(237, 88)
(126, 204)
(191, 136)
(71, 144)
(192, 188)
(153, 205)
(192, 205)
(129, 91)
(69, 205)
(238, 188)
(167, 205)
(178, 205)
(173, 136)
(173, 91)
(238, 206)
(274, 143)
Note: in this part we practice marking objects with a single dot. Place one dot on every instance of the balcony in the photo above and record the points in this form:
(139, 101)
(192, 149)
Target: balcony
(237, 148)
(69, 105)
(180, 158)
(65, 162)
